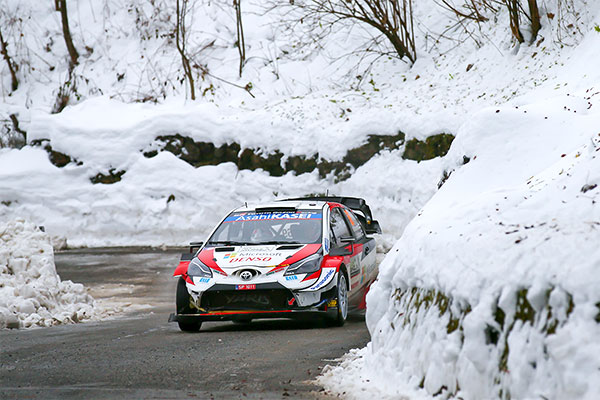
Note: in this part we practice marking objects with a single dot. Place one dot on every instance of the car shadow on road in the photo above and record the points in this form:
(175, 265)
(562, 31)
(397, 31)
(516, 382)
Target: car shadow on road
(278, 324)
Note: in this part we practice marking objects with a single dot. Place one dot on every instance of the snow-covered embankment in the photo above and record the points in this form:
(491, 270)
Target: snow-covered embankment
(31, 292)
(492, 291)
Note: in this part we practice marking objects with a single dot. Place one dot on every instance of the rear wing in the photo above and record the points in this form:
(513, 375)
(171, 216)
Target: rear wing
(355, 204)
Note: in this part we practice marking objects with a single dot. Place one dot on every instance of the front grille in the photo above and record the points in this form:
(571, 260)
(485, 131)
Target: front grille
(270, 299)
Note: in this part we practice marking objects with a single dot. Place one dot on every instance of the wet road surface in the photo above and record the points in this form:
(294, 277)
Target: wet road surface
(137, 354)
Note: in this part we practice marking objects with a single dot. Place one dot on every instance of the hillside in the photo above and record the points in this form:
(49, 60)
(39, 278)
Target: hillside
(490, 290)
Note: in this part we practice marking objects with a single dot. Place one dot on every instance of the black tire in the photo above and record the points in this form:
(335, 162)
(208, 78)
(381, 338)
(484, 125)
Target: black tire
(339, 318)
(182, 301)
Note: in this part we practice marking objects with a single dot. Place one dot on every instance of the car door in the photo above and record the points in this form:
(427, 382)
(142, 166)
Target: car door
(341, 228)
(364, 249)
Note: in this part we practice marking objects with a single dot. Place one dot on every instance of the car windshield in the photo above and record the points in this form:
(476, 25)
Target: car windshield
(239, 228)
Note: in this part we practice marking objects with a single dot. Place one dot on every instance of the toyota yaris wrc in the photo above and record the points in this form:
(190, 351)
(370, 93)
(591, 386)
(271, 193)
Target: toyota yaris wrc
(286, 259)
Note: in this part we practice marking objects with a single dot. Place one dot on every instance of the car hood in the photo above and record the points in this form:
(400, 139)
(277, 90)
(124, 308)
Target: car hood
(232, 258)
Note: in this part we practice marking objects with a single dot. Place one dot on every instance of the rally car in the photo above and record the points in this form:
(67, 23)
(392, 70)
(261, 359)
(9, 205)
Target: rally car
(285, 259)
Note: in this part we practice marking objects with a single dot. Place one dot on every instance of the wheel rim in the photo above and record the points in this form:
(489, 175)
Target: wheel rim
(343, 296)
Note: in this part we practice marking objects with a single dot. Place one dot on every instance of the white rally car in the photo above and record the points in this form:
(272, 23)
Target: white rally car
(285, 259)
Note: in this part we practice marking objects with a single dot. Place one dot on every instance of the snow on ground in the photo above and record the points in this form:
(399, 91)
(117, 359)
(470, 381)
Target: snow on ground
(492, 290)
(31, 292)
(503, 223)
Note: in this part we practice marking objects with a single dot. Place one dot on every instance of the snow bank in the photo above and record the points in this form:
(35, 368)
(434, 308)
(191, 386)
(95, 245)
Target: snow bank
(164, 200)
(492, 291)
(31, 292)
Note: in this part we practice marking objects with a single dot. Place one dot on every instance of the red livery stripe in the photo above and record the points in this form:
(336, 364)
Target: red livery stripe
(181, 268)
(314, 275)
(208, 258)
(299, 255)
(245, 312)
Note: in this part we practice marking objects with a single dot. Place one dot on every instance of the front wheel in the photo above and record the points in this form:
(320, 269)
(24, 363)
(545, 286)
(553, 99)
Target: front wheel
(182, 301)
(342, 301)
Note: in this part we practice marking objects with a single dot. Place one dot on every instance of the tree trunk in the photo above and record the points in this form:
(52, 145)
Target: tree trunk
(62, 5)
(15, 122)
(535, 18)
(240, 34)
(513, 12)
(11, 68)
(180, 41)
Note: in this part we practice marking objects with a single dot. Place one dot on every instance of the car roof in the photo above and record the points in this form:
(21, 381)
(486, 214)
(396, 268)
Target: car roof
(283, 204)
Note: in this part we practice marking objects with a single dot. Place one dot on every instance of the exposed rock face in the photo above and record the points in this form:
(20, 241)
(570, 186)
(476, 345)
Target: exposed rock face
(112, 177)
(56, 157)
(276, 164)
(433, 146)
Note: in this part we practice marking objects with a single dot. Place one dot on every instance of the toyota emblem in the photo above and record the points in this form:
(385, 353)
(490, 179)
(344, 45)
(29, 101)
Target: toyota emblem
(246, 275)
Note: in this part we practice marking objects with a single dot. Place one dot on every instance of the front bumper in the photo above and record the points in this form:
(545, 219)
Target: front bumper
(252, 314)
(225, 302)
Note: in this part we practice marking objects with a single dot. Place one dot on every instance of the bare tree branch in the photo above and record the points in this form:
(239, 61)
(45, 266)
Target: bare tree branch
(392, 18)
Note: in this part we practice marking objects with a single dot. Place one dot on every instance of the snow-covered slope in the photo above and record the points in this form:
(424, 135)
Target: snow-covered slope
(296, 112)
(492, 290)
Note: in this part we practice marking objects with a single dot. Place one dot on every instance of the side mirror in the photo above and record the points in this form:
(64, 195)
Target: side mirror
(195, 246)
(186, 257)
(373, 227)
(344, 250)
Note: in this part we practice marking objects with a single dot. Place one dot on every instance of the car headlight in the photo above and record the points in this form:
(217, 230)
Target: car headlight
(198, 268)
(305, 266)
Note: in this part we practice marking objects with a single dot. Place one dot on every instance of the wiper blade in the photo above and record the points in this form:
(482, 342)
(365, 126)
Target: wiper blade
(278, 242)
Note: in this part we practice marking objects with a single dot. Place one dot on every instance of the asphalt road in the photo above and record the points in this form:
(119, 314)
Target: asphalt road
(137, 354)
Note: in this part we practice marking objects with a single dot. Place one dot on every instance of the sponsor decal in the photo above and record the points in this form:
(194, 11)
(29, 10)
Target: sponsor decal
(332, 303)
(326, 245)
(252, 255)
(291, 278)
(250, 259)
(322, 282)
(272, 216)
(203, 280)
(245, 287)
(250, 297)
(254, 249)
(291, 301)
(257, 253)
(354, 268)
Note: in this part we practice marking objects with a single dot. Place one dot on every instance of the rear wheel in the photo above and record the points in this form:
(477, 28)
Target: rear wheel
(342, 301)
(183, 307)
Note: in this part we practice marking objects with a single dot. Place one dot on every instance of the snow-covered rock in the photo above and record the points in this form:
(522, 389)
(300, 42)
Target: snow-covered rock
(31, 292)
